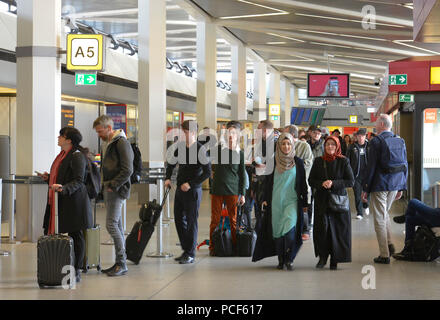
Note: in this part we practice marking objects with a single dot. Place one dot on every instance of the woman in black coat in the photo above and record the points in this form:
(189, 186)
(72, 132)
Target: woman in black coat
(331, 230)
(67, 177)
(287, 246)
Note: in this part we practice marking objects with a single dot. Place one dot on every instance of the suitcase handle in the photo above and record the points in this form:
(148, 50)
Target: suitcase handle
(167, 191)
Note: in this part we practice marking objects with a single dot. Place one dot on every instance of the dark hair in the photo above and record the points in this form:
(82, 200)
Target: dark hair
(233, 124)
(188, 123)
(75, 136)
(266, 124)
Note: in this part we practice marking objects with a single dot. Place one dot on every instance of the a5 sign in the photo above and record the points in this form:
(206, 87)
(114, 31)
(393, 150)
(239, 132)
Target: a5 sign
(85, 52)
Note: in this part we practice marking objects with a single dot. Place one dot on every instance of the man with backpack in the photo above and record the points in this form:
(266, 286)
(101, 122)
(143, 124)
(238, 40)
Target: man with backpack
(116, 168)
(386, 176)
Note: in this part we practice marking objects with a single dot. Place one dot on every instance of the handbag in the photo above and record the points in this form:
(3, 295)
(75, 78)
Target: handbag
(337, 202)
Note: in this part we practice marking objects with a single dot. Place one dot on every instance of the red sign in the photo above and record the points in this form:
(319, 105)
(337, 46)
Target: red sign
(431, 116)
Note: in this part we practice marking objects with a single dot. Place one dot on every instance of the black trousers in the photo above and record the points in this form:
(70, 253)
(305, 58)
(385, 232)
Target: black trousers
(186, 213)
(79, 247)
(357, 189)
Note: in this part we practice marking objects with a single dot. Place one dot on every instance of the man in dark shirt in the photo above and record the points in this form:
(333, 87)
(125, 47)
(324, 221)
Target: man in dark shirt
(357, 154)
(194, 168)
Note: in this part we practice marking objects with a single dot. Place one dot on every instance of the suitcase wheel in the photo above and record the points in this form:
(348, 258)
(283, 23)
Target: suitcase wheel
(98, 268)
(42, 286)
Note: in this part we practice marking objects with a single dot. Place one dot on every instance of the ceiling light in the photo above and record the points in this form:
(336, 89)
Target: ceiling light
(348, 20)
(343, 35)
(401, 42)
(182, 22)
(278, 11)
(285, 37)
(276, 42)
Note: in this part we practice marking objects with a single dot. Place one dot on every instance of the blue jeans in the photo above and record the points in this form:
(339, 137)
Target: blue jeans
(113, 204)
(418, 214)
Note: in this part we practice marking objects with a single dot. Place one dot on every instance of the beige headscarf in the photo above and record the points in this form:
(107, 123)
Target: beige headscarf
(285, 162)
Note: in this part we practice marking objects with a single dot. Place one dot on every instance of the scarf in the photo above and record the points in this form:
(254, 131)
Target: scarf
(284, 161)
(338, 154)
(52, 180)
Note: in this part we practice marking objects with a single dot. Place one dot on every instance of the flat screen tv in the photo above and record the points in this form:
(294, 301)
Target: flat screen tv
(328, 85)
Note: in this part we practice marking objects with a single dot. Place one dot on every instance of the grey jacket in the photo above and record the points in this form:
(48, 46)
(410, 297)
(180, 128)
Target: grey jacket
(117, 165)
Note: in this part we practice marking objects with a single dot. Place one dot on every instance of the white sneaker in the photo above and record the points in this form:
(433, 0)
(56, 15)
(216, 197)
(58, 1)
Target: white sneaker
(359, 217)
(367, 211)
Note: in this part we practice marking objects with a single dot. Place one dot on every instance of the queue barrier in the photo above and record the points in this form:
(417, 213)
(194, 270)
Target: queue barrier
(30, 206)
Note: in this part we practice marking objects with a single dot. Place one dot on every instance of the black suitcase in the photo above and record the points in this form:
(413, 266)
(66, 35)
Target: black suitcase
(142, 230)
(246, 237)
(56, 257)
(222, 240)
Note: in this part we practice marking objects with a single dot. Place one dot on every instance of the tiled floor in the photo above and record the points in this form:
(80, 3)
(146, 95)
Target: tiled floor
(230, 278)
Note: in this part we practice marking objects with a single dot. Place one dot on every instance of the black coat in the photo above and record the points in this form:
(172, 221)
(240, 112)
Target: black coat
(265, 246)
(74, 208)
(331, 230)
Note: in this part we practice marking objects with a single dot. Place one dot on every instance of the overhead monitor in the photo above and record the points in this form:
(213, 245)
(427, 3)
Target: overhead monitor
(328, 85)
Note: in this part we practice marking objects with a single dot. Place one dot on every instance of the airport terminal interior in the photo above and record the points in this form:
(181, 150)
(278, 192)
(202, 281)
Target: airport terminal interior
(336, 65)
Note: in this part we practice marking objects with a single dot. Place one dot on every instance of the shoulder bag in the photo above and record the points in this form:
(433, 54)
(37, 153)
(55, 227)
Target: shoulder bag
(337, 202)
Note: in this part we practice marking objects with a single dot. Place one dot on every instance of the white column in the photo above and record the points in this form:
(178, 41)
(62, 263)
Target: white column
(259, 97)
(275, 94)
(238, 95)
(152, 83)
(38, 84)
(206, 75)
(295, 96)
(286, 101)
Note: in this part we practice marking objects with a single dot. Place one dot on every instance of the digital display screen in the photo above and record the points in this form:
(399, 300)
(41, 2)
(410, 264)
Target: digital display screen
(328, 85)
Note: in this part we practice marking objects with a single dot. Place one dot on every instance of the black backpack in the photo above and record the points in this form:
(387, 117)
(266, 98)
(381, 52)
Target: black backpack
(426, 246)
(93, 179)
(137, 164)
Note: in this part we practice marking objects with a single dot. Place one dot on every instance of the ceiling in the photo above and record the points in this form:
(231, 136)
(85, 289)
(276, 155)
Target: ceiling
(294, 37)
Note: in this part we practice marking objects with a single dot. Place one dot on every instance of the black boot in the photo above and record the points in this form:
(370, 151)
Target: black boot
(333, 264)
(399, 219)
(406, 253)
(322, 262)
(280, 265)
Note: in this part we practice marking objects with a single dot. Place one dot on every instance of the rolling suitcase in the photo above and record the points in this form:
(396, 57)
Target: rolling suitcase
(246, 237)
(222, 240)
(55, 256)
(142, 230)
(92, 258)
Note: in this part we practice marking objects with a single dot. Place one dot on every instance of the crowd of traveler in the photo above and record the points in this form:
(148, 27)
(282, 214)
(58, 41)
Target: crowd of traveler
(294, 180)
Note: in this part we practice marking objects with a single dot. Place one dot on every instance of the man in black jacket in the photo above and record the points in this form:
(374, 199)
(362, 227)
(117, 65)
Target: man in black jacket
(357, 154)
(194, 168)
(116, 169)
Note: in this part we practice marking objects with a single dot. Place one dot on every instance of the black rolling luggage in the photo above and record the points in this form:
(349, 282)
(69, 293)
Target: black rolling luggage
(222, 240)
(55, 257)
(246, 236)
(142, 230)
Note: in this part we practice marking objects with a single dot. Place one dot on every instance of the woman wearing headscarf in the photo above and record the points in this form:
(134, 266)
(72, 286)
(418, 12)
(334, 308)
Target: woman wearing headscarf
(67, 177)
(331, 173)
(286, 199)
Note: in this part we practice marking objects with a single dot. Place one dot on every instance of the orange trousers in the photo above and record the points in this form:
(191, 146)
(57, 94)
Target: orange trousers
(216, 212)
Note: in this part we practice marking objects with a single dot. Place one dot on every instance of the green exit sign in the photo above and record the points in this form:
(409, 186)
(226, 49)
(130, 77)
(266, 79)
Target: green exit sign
(406, 98)
(398, 79)
(85, 79)
(275, 117)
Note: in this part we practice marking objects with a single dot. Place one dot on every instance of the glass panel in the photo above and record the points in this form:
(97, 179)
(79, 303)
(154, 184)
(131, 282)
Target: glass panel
(431, 156)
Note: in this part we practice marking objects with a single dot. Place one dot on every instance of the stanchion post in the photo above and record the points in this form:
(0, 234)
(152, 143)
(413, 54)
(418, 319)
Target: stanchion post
(159, 252)
(2, 252)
